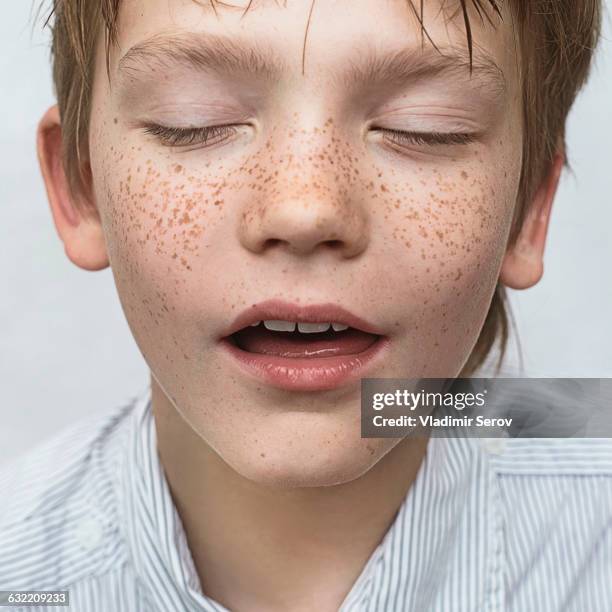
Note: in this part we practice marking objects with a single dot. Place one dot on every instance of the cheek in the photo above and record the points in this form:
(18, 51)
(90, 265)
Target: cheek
(446, 232)
(153, 210)
(157, 219)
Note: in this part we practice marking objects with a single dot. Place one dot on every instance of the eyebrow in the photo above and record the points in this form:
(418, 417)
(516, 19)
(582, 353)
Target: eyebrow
(396, 67)
(225, 55)
(205, 52)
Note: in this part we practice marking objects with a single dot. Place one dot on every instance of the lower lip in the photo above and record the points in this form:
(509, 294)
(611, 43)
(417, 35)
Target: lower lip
(307, 374)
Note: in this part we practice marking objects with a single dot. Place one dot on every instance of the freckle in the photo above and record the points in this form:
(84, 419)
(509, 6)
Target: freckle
(262, 454)
(115, 120)
(464, 174)
(178, 168)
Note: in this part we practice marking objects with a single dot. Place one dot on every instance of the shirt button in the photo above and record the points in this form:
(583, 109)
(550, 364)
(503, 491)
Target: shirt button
(89, 534)
(494, 446)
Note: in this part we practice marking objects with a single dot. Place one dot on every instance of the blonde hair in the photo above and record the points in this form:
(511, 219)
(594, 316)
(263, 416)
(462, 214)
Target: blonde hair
(556, 43)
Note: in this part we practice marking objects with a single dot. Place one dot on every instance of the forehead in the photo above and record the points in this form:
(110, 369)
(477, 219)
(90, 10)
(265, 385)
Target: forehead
(298, 35)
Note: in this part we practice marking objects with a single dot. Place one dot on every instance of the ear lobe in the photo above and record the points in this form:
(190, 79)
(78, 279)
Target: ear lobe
(523, 264)
(83, 237)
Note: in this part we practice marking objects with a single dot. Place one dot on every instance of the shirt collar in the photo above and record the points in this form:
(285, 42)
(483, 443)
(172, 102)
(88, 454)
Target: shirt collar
(444, 550)
(444, 546)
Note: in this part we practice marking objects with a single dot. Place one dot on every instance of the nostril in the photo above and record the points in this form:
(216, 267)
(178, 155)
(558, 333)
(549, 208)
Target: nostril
(302, 246)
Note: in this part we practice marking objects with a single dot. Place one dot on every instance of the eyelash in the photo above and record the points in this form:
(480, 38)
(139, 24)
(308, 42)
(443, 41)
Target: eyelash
(182, 137)
(401, 138)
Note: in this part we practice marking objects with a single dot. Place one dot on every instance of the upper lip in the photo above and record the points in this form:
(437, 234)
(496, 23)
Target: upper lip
(279, 310)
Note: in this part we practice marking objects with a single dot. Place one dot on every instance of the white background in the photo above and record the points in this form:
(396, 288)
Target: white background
(67, 352)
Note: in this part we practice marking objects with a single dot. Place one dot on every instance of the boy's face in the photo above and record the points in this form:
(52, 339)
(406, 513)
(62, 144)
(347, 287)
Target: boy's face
(309, 198)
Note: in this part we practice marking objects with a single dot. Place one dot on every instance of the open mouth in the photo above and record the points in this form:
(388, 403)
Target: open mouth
(303, 348)
(294, 340)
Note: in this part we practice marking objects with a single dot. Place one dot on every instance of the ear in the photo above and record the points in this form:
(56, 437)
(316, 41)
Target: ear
(83, 237)
(523, 264)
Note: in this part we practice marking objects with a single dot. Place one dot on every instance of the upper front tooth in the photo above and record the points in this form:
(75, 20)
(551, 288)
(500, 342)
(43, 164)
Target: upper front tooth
(286, 326)
(312, 328)
(303, 327)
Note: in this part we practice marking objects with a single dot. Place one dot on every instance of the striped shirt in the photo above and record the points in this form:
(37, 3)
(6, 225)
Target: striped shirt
(520, 525)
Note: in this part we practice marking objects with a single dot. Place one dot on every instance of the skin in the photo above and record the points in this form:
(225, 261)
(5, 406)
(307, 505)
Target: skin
(305, 202)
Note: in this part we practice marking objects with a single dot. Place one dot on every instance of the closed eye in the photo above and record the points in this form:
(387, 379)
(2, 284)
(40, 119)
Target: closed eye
(184, 137)
(402, 138)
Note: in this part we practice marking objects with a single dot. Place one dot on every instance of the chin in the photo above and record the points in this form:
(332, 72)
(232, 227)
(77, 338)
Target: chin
(311, 466)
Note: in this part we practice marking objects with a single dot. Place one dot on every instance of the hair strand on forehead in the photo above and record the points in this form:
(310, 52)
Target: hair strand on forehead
(246, 10)
(468, 31)
(306, 35)
(419, 16)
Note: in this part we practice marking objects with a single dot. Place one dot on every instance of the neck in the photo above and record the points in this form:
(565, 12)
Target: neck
(259, 547)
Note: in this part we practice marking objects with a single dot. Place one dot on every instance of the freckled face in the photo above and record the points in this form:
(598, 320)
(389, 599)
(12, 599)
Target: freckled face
(390, 195)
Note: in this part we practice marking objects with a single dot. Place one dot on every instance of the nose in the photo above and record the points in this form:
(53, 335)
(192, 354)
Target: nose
(303, 206)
